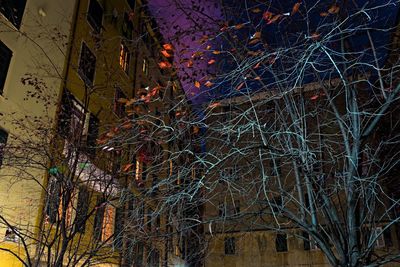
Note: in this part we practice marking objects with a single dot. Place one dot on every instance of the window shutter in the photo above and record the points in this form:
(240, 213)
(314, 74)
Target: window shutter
(98, 219)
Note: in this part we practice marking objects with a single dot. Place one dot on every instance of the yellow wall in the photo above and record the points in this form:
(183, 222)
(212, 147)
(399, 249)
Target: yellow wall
(34, 51)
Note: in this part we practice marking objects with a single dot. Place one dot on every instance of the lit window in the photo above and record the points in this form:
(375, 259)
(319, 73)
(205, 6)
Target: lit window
(95, 15)
(230, 246)
(13, 11)
(108, 224)
(124, 57)
(145, 67)
(138, 170)
(5, 58)
(87, 65)
(3, 142)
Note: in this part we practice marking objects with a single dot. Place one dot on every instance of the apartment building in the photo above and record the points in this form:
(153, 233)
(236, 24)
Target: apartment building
(33, 38)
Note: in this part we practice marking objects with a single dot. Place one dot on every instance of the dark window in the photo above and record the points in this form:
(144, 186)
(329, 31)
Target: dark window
(154, 258)
(53, 198)
(387, 236)
(276, 204)
(3, 142)
(95, 15)
(127, 27)
(119, 107)
(236, 207)
(81, 210)
(13, 10)
(98, 219)
(87, 65)
(93, 133)
(118, 227)
(221, 210)
(5, 58)
(230, 246)
(132, 4)
(281, 243)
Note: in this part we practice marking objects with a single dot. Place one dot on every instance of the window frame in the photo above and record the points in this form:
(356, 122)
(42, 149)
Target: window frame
(124, 57)
(280, 237)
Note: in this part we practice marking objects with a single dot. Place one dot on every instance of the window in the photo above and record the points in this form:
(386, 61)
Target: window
(5, 58)
(309, 243)
(145, 67)
(3, 142)
(281, 243)
(13, 11)
(87, 65)
(221, 210)
(81, 210)
(108, 224)
(154, 258)
(119, 107)
(53, 198)
(95, 15)
(127, 26)
(139, 170)
(124, 57)
(93, 133)
(276, 204)
(230, 246)
(103, 227)
(11, 234)
(383, 238)
(118, 230)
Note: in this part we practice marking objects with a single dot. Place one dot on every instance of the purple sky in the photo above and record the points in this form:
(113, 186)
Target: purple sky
(183, 23)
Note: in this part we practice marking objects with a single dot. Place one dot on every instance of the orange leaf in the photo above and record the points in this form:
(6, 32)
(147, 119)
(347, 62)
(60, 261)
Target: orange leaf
(208, 84)
(324, 14)
(168, 47)
(314, 97)
(315, 36)
(197, 54)
(256, 35)
(257, 65)
(239, 26)
(122, 100)
(295, 8)
(256, 10)
(214, 105)
(211, 61)
(164, 65)
(127, 167)
(240, 86)
(197, 84)
(254, 41)
(216, 52)
(208, 47)
(267, 15)
(334, 9)
(165, 53)
(274, 19)
(190, 64)
(127, 125)
(258, 78)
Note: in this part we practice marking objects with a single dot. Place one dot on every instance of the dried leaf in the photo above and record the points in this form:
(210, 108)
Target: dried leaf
(197, 54)
(256, 35)
(211, 61)
(324, 14)
(314, 97)
(168, 47)
(127, 125)
(267, 15)
(214, 105)
(334, 9)
(190, 64)
(315, 36)
(258, 78)
(127, 167)
(239, 26)
(216, 52)
(256, 10)
(208, 47)
(295, 8)
(197, 84)
(164, 65)
(254, 41)
(240, 86)
(274, 19)
(122, 100)
(165, 53)
(208, 84)
(257, 65)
